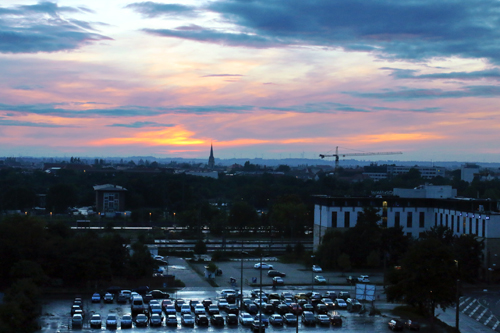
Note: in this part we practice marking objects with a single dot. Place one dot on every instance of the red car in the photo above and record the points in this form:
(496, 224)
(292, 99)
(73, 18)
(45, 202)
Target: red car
(295, 309)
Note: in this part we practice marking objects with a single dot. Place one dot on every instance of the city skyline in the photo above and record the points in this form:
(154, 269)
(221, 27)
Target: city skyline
(265, 79)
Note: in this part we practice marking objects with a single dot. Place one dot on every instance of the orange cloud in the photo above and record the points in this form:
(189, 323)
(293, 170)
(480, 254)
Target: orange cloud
(170, 136)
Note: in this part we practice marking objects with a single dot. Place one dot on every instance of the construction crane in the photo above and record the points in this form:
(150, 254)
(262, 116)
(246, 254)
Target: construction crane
(337, 156)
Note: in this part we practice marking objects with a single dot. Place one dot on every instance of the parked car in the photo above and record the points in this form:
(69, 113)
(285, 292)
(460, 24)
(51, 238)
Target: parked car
(322, 319)
(213, 309)
(276, 320)
(395, 325)
(364, 279)
(75, 308)
(308, 307)
(155, 320)
(96, 298)
(412, 325)
(344, 295)
(308, 318)
(233, 309)
(122, 298)
(252, 308)
(166, 302)
(170, 310)
(108, 298)
(295, 309)
(317, 269)
(148, 297)
(258, 326)
(328, 302)
(319, 279)
(331, 295)
(185, 308)
(273, 273)
(206, 302)
(340, 304)
(262, 318)
(353, 305)
(95, 321)
(199, 309)
(321, 308)
(290, 319)
(282, 309)
(111, 321)
(77, 320)
(201, 320)
(178, 303)
(171, 320)
(187, 320)
(141, 320)
(232, 319)
(217, 320)
(126, 321)
(335, 319)
(158, 294)
(278, 281)
(155, 308)
(261, 265)
(245, 318)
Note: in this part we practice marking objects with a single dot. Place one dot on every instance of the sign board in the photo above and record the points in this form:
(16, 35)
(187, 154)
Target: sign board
(365, 292)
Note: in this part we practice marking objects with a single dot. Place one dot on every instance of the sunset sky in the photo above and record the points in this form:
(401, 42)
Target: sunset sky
(257, 78)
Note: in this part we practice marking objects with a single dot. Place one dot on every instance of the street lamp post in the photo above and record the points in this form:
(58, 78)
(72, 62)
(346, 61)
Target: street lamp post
(241, 283)
(312, 274)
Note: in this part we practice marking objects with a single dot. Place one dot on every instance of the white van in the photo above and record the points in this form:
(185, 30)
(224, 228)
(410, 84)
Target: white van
(137, 304)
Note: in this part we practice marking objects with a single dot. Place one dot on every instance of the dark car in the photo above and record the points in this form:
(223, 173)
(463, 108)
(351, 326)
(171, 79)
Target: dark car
(258, 326)
(344, 295)
(252, 308)
(193, 303)
(141, 290)
(115, 290)
(232, 319)
(273, 273)
(395, 325)
(321, 309)
(308, 318)
(336, 319)
(213, 309)
(276, 320)
(122, 298)
(233, 308)
(282, 309)
(178, 304)
(147, 298)
(201, 320)
(158, 294)
(290, 319)
(217, 320)
(206, 302)
(412, 325)
(141, 320)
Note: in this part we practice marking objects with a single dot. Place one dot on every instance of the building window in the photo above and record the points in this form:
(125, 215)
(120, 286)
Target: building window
(470, 225)
(464, 225)
(441, 219)
(484, 227)
(347, 216)
(396, 219)
(477, 227)
(334, 219)
(452, 224)
(421, 220)
(409, 220)
(435, 219)
(446, 219)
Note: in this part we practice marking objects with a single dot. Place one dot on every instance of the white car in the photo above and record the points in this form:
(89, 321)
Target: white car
(187, 320)
(364, 279)
(185, 309)
(340, 303)
(170, 310)
(155, 320)
(261, 265)
(317, 269)
(245, 318)
(77, 320)
(199, 309)
(320, 279)
(111, 321)
(95, 321)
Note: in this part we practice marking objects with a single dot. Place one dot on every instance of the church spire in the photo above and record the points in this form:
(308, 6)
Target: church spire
(211, 159)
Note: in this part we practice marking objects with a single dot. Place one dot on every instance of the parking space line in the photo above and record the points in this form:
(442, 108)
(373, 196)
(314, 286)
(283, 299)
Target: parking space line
(488, 320)
(465, 301)
(482, 314)
(474, 311)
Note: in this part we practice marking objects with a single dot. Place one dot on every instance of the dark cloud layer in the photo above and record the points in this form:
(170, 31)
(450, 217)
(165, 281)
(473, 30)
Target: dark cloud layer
(409, 94)
(492, 74)
(153, 9)
(10, 122)
(64, 110)
(42, 28)
(413, 30)
(142, 124)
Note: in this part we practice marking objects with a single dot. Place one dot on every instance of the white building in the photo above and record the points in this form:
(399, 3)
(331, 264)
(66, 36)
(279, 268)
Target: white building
(468, 171)
(416, 215)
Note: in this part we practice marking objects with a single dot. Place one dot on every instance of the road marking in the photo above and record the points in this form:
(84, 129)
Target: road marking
(468, 306)
(472, 313)
(488, 320)
(482, 314)
(465, 301)
(495, 326)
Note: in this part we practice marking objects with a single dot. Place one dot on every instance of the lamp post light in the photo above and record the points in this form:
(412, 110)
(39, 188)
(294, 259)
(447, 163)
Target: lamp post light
(312, 274)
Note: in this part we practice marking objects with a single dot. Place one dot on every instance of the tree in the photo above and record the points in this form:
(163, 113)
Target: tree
(373, 259)
(60, 197)
(200, 247)
(344, 262)
(242, 215)
(426, 278)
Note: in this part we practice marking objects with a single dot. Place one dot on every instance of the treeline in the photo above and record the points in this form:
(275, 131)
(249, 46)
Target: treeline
(35, 255)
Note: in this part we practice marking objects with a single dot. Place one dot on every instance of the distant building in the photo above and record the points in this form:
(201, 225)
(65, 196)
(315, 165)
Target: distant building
(378, 172)
(211, 159)
(416, 211)
(109, 198)
(468, 172)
